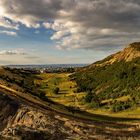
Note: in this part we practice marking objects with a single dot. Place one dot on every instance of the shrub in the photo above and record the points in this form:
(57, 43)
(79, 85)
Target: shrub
(120, 106)
(56, 90)
(88, 97)
(94, 104)
(42, 95)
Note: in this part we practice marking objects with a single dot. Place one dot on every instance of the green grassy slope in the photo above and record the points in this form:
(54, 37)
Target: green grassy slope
(68, 96)
(114, 85)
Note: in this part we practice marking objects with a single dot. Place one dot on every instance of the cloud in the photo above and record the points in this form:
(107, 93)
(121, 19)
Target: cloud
(8, 24)
(12, 52)
(9, 33)
(86, 24)
(28, 12)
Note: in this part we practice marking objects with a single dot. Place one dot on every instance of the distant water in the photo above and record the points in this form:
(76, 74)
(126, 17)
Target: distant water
(48, 66)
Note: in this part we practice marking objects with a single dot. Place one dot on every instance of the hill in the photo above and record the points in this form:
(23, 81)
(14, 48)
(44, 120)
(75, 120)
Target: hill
(22, 118)
(114, 82)
(18, 79)
(30, 110)
(25, 115)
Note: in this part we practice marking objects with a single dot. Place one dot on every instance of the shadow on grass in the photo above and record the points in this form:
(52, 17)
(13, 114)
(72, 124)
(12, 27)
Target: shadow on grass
(76, 112)
(63, 92)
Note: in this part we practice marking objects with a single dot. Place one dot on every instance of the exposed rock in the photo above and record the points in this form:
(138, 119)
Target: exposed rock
(131, 52)
(20, 121)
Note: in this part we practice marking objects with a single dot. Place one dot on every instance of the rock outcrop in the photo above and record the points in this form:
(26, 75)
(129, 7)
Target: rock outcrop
(131, 52)
(20, 121)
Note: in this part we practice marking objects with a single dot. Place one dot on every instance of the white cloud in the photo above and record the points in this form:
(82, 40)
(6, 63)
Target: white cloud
(12, 52)
(9, 33)
(85, 24)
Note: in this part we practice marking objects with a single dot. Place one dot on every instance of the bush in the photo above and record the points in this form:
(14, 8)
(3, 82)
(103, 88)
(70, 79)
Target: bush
(56, 90)
(94, 105)
(42, 95)
(120, 106)
(88, 97)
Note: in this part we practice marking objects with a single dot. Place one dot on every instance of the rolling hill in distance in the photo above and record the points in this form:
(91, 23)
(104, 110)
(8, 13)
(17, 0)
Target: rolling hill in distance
(98, 101)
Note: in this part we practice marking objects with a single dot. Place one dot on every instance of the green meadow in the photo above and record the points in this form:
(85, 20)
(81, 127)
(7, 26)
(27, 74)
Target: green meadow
(68, 95)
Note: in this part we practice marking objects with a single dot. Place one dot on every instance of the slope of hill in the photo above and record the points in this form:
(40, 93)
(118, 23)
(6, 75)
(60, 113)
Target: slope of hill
(21, 119)
(113, 83)
(27, 113)
(131, 52)
(19, 79)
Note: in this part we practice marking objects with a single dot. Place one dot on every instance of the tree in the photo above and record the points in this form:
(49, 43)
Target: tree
(88, 97)
(42, 95)
(56, 90)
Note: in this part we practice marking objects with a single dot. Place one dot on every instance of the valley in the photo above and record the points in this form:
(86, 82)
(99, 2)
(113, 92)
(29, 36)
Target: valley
(33, 118)
(100, 101)
(69, 96)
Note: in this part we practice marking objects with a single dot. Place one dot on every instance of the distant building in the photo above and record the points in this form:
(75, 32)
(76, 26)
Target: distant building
(41, 71)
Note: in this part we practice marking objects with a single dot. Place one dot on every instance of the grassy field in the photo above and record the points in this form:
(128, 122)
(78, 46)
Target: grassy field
(67, 95)
(67, 88)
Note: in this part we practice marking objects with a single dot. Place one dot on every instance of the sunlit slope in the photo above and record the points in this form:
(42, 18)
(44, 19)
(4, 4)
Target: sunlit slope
(117, 76)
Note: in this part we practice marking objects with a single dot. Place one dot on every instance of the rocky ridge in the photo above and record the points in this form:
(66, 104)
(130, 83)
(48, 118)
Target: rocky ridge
(131, 52)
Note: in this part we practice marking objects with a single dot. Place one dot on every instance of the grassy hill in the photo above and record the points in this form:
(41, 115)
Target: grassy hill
(31, 107)
(112, 83)
(18, 79)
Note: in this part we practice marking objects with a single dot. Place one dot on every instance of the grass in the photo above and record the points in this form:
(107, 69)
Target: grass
(68, 97)
(123, 98)
(65, 99)
(66, 94)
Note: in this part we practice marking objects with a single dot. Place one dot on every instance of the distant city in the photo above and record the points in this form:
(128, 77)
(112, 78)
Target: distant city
(48, 68)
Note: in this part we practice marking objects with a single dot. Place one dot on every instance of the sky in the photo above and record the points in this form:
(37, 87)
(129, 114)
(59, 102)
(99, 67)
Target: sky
(66, 31)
